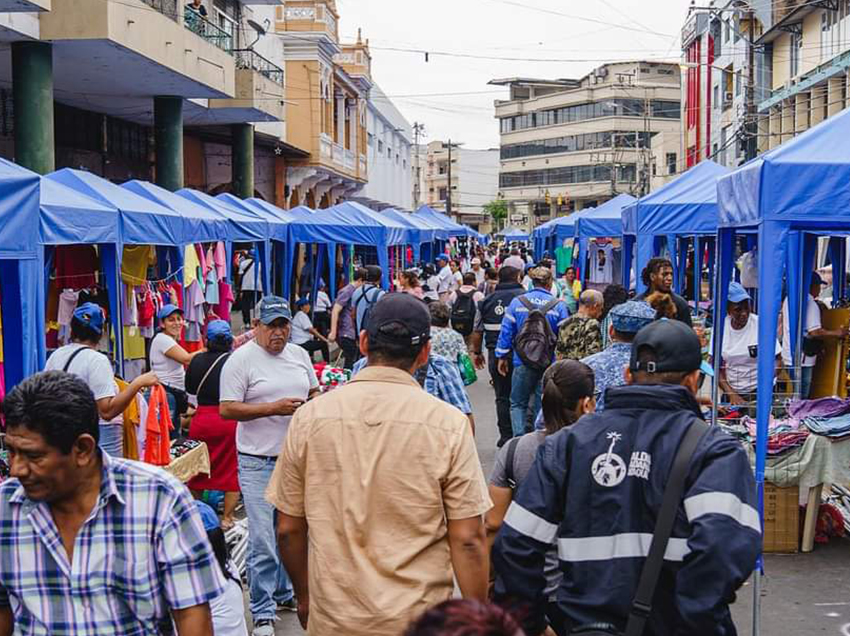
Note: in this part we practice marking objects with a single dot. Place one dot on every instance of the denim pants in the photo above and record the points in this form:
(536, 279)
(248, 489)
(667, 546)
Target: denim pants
(112, 439)
(806, 374)
(268, 581)
(526, 386)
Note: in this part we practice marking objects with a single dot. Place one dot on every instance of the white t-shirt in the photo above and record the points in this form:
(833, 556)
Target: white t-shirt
(601, 267)
(479, 275)
(228, 609)
(811, 322)
(301, 326)
(92, 367)
(458, 280)
(168, 371)
(246, 270)
(254, 376)
(323, 302)
(741, 368)
(433, 285)
(445, 280)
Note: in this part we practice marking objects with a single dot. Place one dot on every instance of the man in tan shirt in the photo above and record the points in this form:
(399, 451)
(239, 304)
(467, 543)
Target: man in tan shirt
(384, 483)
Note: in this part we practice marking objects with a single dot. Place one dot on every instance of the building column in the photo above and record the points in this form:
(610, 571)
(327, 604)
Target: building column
(168, 141)
(242, 165)
(340, 121)
(32, 89)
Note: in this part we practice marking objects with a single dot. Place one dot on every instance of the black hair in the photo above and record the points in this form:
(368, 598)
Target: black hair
(624, 336)
(222, 554)
(508, 274)
(57, 405)
(373, 274)
(360, 274)
(440, 314)
(613, 295)
(492, 274)
(81, 332)
(646, 354)
(653, 267)
(564, 384)
(220, 344)
(394, 354)
(469, 278)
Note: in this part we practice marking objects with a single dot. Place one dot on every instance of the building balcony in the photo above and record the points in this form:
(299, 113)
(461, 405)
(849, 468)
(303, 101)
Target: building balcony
(364, 168)
(337, 155)
(348, 160)
(212, 33)
(18, 6)
(250, 59)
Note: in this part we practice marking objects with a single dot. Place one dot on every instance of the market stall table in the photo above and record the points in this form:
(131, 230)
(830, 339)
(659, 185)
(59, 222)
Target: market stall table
(194, 462)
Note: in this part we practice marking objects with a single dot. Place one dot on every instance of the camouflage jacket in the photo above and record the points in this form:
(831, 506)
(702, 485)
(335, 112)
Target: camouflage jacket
(578, 338)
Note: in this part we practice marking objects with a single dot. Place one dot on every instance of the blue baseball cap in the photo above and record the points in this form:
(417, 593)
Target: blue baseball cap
(273, 307)
(219, 330)
(208, 516)
(301, 302)
(442, 257)
(91, 315)
(167, 310)
(737, 293)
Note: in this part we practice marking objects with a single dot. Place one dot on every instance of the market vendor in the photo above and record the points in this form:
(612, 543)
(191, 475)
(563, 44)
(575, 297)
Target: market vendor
(814, 335)
(739, 357)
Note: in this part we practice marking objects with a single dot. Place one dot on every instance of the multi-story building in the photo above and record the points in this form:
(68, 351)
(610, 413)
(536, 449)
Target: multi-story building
(720, 119)
(474, 182)
(388, 135)
(807, 55)
(109, 85)
(567, 144)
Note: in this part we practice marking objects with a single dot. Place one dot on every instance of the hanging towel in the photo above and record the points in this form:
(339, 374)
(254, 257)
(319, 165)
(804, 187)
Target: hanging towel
(157, 427)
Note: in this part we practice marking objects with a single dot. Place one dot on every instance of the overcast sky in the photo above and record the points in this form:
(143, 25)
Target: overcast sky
(449, 93)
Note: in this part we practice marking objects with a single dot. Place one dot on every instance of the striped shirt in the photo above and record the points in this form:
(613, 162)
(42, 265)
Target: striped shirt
(142, 552)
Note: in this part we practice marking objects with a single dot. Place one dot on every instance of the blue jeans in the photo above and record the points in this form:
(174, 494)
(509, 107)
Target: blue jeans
(526, 386)
(268, 581)
(112, 439)
(805, 380)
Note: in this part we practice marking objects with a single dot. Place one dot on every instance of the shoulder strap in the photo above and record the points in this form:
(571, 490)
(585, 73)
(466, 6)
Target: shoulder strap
(528, 304)
(210, 370)
(72, 356)
(509, 463)
(550, 306)
(642, 604)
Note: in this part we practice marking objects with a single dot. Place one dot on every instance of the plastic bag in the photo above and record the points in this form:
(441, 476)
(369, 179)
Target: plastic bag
(467, 369)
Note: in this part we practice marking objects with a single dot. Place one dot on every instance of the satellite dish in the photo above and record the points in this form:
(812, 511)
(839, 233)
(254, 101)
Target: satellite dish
(261, 31)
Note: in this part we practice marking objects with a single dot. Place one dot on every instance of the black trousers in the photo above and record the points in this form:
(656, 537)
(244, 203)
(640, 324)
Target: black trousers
(322, 322)
(502, 386)
(316, 345)
(247, 301)
(350, 352)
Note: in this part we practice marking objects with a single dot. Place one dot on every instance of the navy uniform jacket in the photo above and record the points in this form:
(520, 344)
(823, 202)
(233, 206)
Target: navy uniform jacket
(596, 489)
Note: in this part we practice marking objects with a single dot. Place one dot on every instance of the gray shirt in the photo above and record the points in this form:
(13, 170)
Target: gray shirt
(524, 456)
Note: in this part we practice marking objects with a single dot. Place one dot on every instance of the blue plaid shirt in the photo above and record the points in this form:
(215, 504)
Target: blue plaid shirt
(142, 552)
(442, 380)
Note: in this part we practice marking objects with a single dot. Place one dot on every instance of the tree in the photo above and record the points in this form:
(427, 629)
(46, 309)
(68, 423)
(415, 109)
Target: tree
(498, 211)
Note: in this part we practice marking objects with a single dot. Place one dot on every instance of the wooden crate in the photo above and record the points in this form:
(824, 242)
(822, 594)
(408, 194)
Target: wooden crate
(781, 519)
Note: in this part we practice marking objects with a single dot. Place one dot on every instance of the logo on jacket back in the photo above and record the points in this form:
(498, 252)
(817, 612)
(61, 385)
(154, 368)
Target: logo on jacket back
(499, 309)
(609, 469)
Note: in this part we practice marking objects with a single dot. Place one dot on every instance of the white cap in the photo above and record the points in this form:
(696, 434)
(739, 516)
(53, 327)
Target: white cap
(476, 261)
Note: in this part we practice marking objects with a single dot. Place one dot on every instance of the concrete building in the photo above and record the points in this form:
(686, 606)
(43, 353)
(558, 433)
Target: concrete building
(807, 59)
(474, 182)
(121, 79)
(567, 144)
(716, 84)
(390, 175)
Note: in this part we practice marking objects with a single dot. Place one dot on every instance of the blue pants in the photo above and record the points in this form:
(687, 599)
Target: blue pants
(526, 386)
(805, 380)
(268, 581)
(112, 439)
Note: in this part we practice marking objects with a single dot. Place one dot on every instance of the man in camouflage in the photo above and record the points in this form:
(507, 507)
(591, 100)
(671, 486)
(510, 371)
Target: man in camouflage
(581, 336)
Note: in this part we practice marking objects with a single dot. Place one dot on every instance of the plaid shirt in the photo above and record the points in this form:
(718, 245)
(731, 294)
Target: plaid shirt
(442, 380)
(142, 552)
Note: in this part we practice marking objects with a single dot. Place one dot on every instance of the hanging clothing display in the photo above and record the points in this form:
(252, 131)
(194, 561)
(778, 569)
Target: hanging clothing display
(191, 264)
(157, 428)
(76, 266)
(135, 260)
(564, 256)
(601, 270)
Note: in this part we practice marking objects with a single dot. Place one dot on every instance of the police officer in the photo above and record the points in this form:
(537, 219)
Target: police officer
(488, 323)
(597, 486)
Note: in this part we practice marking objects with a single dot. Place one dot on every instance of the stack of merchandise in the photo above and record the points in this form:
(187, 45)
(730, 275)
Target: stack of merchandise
(330, 377)
(784, 434)
(829, 417)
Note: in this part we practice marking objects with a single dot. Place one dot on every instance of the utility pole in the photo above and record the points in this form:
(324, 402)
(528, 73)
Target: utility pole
(418, 129)
(751, 124)
(449, 189)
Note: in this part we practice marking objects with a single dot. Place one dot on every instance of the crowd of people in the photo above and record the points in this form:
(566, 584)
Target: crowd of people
(366, 505)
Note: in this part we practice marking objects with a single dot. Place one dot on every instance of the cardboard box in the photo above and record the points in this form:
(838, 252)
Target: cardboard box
(781, 519)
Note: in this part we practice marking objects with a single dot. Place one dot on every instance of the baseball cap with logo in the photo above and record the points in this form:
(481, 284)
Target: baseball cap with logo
(167, 310)
(675, 345)
(271, 308)
(91, 315)
(402, 310)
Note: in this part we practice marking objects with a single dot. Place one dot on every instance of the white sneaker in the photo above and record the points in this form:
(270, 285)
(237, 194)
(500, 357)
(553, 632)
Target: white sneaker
(263, 627)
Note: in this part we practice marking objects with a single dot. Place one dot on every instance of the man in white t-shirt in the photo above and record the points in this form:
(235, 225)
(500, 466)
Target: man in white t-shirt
(477, 270)
(82, 359)
(515, 260)
(812, 330)
(262, 384)
(739, 368)
(445, 278)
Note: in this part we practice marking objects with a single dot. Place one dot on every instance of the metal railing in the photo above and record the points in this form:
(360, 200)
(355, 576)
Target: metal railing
(165, 7)
(213, 34)
(250, 59)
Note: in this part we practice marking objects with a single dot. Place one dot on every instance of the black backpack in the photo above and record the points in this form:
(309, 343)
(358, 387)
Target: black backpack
(535, 342)
(463, 313)
(369, 304)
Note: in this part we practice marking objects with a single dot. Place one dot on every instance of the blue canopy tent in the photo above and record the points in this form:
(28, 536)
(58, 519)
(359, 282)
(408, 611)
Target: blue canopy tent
(601, 222)
(687, 206)
(541, 237)
(421, 232)
(791, 195)
(35, 214)
(452, 228)
(511, 234)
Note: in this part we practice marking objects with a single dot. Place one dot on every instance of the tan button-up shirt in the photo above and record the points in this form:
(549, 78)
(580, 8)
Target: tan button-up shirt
(377, 467)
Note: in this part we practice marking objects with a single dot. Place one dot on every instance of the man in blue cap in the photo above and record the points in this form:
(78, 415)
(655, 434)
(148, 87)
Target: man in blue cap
(82, 359)
(609, 366)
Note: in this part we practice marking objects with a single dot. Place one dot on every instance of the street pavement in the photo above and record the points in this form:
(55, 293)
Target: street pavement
(801, 594)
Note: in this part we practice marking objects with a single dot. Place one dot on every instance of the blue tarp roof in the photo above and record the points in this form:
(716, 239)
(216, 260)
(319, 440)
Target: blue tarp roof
(420, 230)
(511, 233)
(686, 205)
(278, 226)
(442, 221)
(606, 220)
(143, 222)
(244, 225)
(349, 223)
(565, 227)
(19, 210)
(199, 223)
